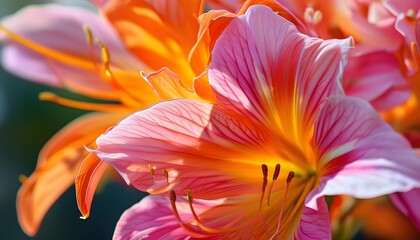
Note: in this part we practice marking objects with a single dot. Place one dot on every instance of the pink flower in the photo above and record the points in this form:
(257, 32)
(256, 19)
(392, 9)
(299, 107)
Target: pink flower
(259, 162)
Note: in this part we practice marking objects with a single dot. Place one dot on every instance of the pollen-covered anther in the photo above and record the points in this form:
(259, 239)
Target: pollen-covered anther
(290, 177)
(88, 35)
(312, 16)
(410, 14)
(275, 176)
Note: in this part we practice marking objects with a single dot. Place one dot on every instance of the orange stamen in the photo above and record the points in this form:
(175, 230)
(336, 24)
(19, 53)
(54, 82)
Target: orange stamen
(289, 179)
(22, 178)
(188, 227)
(275, 176)
(416, 55)
(51, 97)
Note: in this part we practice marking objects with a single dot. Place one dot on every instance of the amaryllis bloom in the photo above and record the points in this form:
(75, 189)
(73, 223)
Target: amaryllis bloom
(99, 55)
(257, 164)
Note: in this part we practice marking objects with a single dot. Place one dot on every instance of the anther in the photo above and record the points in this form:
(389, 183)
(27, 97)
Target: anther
(410, 14)
(290, 177)
(152, 170)
(317, 17)
(166, 174)
(275, 176)
(264, 169)
(88, 34)
(172, 196)
(189, 196)
(23, 178)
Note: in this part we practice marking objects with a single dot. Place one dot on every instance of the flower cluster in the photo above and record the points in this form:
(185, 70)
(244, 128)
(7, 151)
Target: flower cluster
(239, 118)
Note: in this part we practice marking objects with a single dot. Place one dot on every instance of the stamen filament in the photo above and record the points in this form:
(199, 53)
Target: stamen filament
(289, 179)
(100, 107)
(188, 227)
(275, 176)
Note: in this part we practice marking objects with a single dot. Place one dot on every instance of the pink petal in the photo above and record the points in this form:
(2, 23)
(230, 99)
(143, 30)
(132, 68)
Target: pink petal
(259, 50)
(360, 155)
(153, 218)
(315, 224)
(61, 29)
(191, 140)
(408, 204)
(376, 77)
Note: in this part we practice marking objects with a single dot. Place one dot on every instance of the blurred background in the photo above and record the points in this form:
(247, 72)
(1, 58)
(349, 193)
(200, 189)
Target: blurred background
(26, 123)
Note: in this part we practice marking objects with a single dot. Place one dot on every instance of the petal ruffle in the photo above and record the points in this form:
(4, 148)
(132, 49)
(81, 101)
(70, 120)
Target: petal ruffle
(180, 145)
(360, 155)
(263, 68)
(44, 50)
(58, 164)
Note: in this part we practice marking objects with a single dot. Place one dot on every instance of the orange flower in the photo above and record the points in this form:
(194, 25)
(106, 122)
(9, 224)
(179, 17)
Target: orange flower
(100, 56)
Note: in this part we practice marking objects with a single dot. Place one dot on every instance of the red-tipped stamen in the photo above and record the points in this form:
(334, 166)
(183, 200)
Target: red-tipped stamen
(275, 176)
(289, 179)
(264, 169)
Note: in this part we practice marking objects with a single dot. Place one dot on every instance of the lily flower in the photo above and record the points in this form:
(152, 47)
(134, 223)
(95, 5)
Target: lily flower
(94, 55)
(257, 164)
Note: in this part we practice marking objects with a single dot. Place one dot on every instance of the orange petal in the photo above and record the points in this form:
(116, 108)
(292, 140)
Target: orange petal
(154, 31)
(87, 180)
(167, 85)
(58, 164)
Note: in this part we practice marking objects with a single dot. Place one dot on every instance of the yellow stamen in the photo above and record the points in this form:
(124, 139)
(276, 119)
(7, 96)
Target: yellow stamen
(88, 35)
(100, 107)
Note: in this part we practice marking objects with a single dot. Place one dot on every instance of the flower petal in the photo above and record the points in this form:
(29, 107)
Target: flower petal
(407, 203)
(263, 68)
(153, 218)
(87, 179)
(172, 136)
(167, 85)
(315, 224)
(376, 78)
(58, 164)
(159, 38)
(360, 155)
(56, 56)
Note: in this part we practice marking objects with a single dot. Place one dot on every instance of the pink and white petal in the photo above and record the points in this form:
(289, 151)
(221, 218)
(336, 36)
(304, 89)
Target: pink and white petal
(376, 78)
(189, 140)
(68, 61)
(153, 218)
(408, 204)
(263, 68)
(360, 155)
(314, 224)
